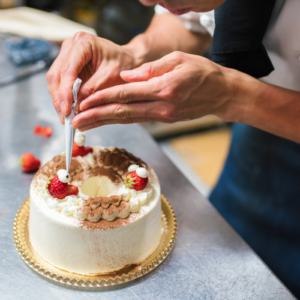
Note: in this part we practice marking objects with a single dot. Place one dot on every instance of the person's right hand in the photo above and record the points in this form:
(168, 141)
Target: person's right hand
(96, 61)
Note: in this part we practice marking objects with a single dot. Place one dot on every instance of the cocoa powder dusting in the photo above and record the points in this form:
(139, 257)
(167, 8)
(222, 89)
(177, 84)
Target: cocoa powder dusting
(104, 225)
(108, 159)
(94, 212)
(98, 171)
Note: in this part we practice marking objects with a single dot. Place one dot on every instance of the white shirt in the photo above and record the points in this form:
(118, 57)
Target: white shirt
(282, 40)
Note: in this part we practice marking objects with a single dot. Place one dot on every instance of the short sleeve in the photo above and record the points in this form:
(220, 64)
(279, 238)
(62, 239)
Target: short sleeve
(193, 21)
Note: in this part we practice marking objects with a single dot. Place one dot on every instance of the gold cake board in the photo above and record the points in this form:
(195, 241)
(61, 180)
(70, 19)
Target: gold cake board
(39, 265)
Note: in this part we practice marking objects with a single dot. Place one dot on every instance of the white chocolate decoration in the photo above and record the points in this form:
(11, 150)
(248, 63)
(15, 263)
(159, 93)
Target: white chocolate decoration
(142, 172)
(79, 138)
(132, 168)
(63, 176)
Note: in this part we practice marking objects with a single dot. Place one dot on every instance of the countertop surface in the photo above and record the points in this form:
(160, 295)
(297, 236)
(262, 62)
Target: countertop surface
(209, 260)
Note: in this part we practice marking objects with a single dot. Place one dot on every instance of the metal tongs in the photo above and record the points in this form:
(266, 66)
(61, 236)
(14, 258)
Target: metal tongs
(69, 130)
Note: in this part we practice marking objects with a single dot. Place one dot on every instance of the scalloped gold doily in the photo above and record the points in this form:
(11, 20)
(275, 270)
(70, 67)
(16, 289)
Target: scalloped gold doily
(39, 265)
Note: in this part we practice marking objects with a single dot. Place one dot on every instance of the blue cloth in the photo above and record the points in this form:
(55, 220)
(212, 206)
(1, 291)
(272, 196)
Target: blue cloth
(258, 193)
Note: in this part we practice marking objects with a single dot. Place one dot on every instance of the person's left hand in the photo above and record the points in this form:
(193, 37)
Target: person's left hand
(174, 88)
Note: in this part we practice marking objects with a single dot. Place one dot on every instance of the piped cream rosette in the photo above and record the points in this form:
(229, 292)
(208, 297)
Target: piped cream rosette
(75, 205)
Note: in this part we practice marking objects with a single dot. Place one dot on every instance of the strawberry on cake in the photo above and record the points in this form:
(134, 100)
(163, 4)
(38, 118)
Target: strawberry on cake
(102, 216)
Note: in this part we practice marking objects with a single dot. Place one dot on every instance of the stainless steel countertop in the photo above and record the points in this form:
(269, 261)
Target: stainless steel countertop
(209, 260)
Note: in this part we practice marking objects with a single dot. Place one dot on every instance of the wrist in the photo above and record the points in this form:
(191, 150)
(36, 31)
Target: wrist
(138, 50)
(242, 92)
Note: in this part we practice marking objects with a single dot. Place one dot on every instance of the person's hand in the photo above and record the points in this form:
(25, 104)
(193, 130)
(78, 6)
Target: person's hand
(98, 62)
(174, 88)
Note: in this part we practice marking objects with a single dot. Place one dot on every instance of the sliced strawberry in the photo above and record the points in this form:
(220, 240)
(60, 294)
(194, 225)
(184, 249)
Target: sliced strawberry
(47, 131)
(81, 150)
(72, 190)
(29, 163)
(37, 129)
(60, 190)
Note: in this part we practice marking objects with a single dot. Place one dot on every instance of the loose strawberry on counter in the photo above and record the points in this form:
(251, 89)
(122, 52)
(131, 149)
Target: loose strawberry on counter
(60, 190)
(29, 163)
(46, 131)
(137, 178)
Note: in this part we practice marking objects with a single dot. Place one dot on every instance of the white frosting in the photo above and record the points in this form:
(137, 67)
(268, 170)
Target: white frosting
(136, 198)
(132, 168)
(79, 138)
(79, 214)
(59, 239)
(63, 176)
(142, 172)
(70, 204)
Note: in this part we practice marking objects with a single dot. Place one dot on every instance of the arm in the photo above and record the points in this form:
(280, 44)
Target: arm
(265, 106)
(98, 62)
(165, 35)
(181, 87)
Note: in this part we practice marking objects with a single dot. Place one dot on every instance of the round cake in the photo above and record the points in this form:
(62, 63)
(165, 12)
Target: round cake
(107, 225)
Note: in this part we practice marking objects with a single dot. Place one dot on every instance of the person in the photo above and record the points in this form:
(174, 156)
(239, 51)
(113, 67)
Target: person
(161, 76)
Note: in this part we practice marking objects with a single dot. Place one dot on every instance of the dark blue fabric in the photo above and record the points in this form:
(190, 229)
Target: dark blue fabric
(258, 193)
(240, 28)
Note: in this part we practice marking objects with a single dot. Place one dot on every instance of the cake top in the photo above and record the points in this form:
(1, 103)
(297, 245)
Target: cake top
(111, 184)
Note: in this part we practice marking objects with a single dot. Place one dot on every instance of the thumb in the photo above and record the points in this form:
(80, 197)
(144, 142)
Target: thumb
(149, 70)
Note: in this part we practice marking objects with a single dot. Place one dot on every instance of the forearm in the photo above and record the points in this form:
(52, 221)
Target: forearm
(265, 106)
(164, 35)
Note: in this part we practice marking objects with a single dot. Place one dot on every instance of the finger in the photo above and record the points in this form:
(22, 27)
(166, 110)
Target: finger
(106, 76)
(117, 112)
(124, 93)
(53, 75)
(81, 53)
(125, 121)
(152, 69)
(100, 80)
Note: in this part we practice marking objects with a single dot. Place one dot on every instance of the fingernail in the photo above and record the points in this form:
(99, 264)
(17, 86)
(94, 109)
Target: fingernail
(63, 108)
(130, 73)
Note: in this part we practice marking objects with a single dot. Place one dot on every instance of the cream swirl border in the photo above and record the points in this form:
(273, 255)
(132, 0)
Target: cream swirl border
(71, 205)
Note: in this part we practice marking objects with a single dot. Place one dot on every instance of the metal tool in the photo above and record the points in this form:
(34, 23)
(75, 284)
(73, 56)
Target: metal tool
(69, 130)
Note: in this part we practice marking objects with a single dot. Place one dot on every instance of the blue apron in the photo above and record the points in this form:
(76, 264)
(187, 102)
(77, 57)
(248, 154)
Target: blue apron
(259, 190)
(258, 193)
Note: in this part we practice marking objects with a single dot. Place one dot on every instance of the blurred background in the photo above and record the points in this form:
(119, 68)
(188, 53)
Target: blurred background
(31, 32)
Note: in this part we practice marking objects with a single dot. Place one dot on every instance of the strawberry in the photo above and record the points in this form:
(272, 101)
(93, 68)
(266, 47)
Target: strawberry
(29, 163)
(56, 188)
(47, 131)
(134, 181)
(81, 150)
(72, 190)
(37, 129)
(60, 190)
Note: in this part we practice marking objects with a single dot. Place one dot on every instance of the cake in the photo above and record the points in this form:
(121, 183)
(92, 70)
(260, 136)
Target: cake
(106, 225)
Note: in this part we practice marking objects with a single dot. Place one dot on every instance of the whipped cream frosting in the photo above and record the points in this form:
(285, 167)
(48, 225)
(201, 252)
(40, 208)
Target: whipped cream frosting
(71, 206)
(133, 168)
(63, 175)
(142, 172)
(79, 138)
